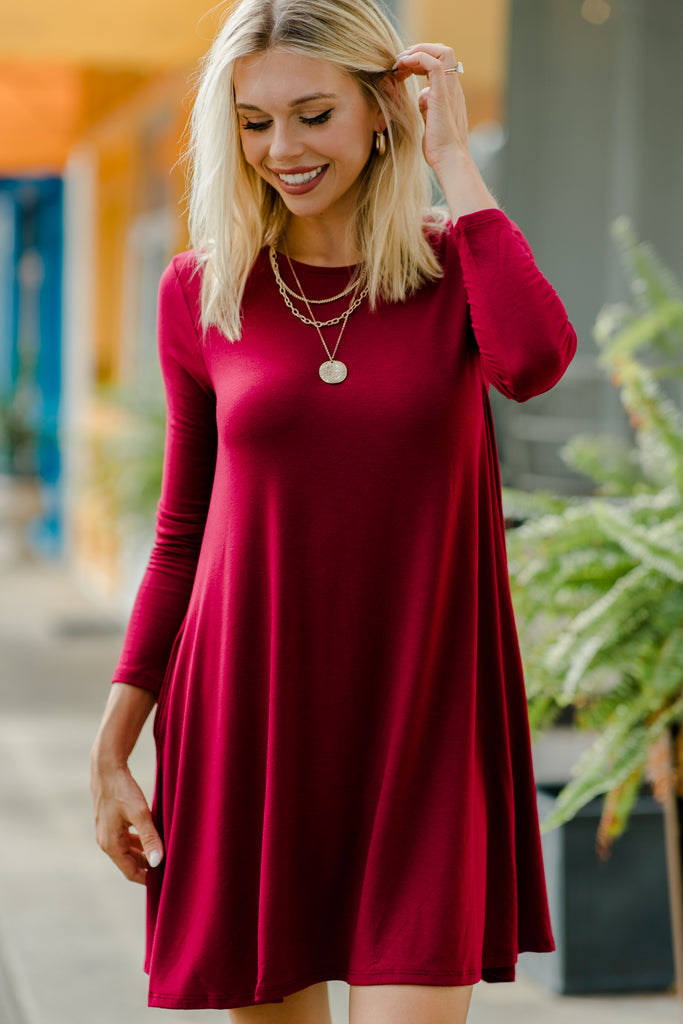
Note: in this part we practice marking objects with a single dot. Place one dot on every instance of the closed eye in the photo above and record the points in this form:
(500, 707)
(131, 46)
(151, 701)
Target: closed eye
(256, 126)
(262, 126)
(319, 118)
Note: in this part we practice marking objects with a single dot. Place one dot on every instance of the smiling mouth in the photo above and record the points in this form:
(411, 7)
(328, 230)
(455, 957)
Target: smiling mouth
(302, 178)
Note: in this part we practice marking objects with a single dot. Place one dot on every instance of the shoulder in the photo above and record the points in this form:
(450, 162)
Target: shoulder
(180, 286)
(178, 304)
(179, 320)
(183, 273)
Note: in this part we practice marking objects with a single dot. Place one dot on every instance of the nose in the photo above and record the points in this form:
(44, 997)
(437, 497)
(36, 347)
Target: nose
(284, 143)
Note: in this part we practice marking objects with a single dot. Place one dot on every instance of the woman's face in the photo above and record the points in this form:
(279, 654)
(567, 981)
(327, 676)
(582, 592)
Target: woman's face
(306, 128)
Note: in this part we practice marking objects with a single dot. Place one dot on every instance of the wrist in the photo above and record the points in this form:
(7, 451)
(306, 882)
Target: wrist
(108, 756)
(463, 186)
(452, 160)
(125, 714)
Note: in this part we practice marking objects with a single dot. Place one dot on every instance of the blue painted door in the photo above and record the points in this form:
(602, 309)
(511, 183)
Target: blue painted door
(31, 243)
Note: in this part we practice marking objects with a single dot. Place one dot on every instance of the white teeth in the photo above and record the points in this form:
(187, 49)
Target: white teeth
(300, 179)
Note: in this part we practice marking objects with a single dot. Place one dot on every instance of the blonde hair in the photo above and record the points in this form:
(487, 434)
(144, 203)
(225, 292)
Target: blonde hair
(233, 212)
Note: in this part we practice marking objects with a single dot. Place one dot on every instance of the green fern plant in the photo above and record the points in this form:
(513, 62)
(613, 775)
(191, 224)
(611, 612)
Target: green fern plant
(597, 582)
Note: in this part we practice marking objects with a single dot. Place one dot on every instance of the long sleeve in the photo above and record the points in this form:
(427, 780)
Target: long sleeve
(188, 472)
(524, 337)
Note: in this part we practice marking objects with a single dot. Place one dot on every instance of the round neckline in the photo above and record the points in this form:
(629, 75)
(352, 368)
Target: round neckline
(315, 268)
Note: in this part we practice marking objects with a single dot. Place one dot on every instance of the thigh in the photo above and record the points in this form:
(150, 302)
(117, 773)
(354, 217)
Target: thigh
(409, 1004)
(308, 1006)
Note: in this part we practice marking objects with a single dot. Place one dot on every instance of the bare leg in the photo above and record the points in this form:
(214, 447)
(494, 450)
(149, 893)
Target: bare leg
(308, 1006)
(409, 1004)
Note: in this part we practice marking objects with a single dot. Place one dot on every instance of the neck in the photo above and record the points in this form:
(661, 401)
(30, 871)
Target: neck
(322, 245)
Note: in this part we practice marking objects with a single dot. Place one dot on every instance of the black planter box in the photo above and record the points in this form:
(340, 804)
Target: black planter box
(610, 918)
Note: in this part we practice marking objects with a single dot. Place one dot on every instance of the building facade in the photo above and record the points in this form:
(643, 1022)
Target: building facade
(572, 119)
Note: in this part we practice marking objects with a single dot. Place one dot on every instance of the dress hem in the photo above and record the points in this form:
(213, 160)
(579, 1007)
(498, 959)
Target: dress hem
(503, 971)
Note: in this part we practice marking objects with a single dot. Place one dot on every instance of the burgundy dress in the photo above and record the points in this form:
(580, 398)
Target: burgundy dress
(345, 786)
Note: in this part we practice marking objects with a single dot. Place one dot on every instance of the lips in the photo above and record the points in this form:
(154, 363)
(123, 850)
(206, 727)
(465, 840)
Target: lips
(298, 180)
(299, 177)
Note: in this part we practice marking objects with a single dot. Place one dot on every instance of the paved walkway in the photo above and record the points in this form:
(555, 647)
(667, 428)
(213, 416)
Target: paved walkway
(71, 927)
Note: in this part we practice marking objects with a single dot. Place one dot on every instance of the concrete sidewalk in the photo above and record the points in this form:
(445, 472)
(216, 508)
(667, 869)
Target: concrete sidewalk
(71, 927)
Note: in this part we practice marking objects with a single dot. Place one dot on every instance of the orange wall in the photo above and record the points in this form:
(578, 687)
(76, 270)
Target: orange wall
(63, 63)
(130, 35)
(39, 116)
(114, 77)
(46, 107)
(137, 148)
(86, 58)
(478, 32)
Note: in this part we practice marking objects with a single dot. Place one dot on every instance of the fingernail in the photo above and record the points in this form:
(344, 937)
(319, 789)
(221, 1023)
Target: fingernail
(154, 859)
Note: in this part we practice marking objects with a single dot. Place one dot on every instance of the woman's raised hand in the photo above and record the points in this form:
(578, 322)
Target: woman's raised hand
(442, 102)
(446, 142)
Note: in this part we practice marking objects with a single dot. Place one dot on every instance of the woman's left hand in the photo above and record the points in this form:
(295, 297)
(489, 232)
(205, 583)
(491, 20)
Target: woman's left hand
(442, 102)
(446, 142)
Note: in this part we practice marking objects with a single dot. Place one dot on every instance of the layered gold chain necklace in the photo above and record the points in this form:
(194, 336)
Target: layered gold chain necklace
(332, 371)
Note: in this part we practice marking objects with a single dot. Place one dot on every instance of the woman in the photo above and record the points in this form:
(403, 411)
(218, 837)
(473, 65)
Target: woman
(344, 781)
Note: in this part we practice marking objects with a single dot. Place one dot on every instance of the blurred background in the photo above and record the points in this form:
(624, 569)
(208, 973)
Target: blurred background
(574, 109)
(574, 115)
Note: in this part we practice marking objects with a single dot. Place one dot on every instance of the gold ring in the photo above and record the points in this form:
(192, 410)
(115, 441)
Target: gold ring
(457, 70)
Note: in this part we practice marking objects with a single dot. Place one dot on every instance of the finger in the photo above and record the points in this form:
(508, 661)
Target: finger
(444, 54)
(135, 844)
(435, 49)
(149, 838)
(133, 865)
(421, 63)
(126, 852)
(400, 74)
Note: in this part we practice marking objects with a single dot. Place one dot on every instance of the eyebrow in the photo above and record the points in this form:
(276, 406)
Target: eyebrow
(295, 103)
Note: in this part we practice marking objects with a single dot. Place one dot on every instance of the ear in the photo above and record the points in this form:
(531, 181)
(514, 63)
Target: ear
(389, 86)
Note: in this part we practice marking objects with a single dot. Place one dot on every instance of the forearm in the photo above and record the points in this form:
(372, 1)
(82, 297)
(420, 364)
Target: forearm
(126, 712)
(123, 822)
(464, 187)
(160, 606)
(190, 449)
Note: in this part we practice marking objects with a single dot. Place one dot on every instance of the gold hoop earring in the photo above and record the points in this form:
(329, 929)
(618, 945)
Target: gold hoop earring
(380, 143)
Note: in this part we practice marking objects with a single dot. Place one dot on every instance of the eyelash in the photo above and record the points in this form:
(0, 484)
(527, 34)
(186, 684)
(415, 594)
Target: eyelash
(261, 126)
